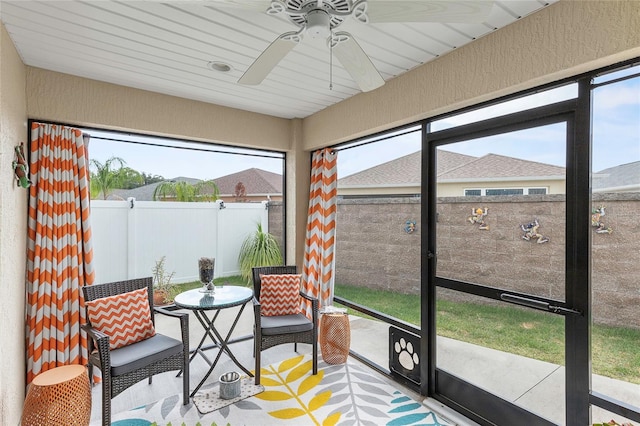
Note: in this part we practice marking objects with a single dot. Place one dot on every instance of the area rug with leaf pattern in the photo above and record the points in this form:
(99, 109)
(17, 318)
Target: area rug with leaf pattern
(347, 394)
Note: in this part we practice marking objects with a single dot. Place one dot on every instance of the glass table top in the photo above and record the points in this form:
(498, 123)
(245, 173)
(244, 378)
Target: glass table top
(224, 297)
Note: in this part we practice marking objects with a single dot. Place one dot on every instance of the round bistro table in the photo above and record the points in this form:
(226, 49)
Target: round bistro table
(201, 303)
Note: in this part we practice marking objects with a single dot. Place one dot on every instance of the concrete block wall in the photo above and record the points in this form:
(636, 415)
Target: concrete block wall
(276, 224)
(373, 249)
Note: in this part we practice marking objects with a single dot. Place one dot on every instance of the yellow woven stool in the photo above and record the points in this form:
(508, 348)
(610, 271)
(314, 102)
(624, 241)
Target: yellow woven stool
(60, 396)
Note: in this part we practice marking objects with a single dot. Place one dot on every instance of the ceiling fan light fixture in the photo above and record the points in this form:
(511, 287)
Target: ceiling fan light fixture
(318, 23)
(219, 66)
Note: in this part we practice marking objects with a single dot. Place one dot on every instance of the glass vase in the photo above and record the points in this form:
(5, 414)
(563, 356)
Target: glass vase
(205, 269)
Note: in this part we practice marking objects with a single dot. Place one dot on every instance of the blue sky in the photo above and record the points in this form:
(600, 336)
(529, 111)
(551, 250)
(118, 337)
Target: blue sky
(616, 140)
(173, 162)
(616, 133)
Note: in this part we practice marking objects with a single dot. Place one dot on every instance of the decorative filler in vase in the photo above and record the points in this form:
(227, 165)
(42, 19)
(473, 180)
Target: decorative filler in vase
(205, 266)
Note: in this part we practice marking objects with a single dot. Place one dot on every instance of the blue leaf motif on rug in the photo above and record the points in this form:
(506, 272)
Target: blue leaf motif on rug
(407, 405)
(131, 422)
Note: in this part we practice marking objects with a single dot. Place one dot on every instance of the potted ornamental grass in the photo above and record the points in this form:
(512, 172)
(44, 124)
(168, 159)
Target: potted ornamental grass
(258, 249)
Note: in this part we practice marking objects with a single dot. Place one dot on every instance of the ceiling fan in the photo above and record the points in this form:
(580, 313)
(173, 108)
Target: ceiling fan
(323, 18)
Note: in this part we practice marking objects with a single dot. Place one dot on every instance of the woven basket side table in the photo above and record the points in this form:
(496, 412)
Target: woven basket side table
(335, 337)
(60, 396)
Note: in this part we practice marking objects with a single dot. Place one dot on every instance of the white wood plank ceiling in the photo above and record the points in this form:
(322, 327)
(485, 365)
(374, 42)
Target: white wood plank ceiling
(167, 46)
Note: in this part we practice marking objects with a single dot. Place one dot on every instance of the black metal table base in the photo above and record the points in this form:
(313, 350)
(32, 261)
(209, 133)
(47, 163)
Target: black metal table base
(222, 344)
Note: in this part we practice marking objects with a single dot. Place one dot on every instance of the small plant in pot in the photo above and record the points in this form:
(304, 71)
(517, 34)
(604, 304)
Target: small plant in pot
(162, 287)
(258, 249)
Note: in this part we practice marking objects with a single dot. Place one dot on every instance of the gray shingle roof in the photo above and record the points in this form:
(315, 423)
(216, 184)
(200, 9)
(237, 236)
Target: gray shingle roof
(491, 166)
(619, 176)
(402, 171)
(256, 181)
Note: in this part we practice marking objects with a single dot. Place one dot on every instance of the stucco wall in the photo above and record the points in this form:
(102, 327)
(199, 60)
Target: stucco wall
(13, 231)
(79, 101)
(373, 249)
(565, 39)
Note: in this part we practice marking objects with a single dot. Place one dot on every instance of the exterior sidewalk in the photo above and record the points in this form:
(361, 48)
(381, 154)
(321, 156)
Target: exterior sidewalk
(535, 385)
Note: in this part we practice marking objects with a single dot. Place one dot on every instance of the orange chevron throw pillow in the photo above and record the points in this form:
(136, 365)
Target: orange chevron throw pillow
(279, 294)
(125, 318)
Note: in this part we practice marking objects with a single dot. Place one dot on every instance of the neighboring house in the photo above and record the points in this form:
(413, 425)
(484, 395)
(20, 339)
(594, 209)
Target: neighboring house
(259, 185)
(458, 175)
(494, 174)
(399, 177)
(622, 178)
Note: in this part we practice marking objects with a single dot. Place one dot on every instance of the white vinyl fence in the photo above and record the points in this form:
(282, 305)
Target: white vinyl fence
(130, 236)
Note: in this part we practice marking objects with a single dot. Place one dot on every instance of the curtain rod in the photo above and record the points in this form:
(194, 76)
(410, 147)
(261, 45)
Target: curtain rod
(187, 148)
(367, 142)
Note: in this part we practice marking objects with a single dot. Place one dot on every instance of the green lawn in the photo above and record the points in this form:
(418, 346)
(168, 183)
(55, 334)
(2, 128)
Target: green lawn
(520, 331)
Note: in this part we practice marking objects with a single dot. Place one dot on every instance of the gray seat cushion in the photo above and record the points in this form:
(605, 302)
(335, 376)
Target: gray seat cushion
(285, 324)
(140, 354)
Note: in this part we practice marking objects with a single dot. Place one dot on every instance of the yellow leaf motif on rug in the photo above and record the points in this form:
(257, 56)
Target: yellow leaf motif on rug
(294, 380)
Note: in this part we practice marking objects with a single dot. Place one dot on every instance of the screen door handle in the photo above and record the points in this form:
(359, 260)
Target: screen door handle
(537, 304)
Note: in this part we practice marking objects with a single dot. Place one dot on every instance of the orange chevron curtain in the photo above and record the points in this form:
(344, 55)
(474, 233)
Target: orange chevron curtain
(319, 261)
(59, 251)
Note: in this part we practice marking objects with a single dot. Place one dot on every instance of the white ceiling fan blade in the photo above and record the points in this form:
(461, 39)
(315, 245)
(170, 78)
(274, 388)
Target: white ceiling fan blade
(428, 11)
(268, 59)
(356, 61)
(260, 5)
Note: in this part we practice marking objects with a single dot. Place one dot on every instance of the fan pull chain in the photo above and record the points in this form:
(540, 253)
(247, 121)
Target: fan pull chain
(331, 60)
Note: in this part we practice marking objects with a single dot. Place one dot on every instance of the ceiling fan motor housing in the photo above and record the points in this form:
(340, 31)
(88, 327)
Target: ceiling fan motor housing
(318, 23)
(298, 11)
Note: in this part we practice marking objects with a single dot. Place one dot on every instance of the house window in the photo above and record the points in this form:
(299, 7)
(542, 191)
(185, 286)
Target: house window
(505, 191)
(508, 191)
(537, 191)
